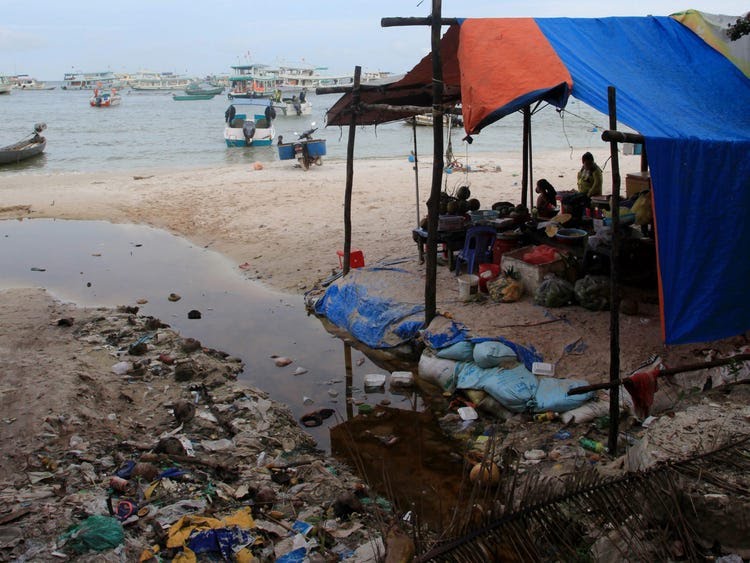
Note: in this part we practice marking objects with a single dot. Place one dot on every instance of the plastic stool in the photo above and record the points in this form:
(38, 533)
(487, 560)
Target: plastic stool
(356, 258)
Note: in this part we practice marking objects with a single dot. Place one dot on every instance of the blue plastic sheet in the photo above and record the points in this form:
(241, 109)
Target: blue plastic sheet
(221, 540)
(366, 304)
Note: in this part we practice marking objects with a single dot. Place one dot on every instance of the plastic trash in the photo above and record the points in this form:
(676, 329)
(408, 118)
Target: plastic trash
(592, 445)
(374, 380)
(402, 379)
(97, 533)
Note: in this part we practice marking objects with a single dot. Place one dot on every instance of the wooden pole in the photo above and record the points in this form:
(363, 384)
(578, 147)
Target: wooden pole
(397, 22)
(433, 203)
(739, 358)
(416, 166)
(532, 200)
(614, 318)
(349, 380)
(350, 173)
(525, 159)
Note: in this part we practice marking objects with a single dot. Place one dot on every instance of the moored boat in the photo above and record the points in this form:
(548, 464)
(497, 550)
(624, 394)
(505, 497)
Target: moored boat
(102, 99)
(241, 131)
(5, 85)
(203, 88)
(31, 146)
(251, 81)
(25, 82)
(188, 97)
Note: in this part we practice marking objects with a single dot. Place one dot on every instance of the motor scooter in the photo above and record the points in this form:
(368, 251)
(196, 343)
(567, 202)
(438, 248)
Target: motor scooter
(302, 151)
(305, 149)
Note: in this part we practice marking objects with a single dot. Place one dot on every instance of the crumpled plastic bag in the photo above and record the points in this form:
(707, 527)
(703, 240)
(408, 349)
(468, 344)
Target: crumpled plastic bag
(642, 209)
(593, 292)
(554, 292)
(97, 533)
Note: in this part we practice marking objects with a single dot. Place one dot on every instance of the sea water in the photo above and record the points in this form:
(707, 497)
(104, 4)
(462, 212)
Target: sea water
(152, 131)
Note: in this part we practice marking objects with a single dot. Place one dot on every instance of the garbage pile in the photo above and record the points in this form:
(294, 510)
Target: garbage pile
(166, 456)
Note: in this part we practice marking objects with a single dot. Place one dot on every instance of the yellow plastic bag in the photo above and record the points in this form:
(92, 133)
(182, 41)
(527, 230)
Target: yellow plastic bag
(642, 209)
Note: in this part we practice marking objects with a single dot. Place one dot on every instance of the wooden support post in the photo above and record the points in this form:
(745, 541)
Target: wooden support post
(416, 166)
(399, 22)
(614, 318)
(349, 380)
(350, 173)
(532, 199)
(433, 204)
(525, 158)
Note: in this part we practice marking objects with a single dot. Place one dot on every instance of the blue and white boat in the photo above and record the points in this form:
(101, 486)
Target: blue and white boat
(243, 131)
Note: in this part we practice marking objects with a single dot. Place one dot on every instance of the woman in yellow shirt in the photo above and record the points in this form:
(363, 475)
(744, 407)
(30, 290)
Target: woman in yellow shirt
(589, 176)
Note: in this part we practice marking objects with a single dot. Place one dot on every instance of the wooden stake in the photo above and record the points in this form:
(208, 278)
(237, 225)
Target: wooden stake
(614, 318)
(350, 173)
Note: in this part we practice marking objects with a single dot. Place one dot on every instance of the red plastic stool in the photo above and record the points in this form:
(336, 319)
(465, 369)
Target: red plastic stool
(356, 258)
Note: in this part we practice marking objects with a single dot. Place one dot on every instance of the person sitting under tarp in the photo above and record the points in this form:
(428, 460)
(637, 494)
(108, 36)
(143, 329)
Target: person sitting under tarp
(546, 201)
(589, 176)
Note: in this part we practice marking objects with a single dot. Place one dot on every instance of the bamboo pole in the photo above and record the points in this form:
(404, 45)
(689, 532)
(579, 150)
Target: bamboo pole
(433, 203)
(350, 174)
(614, 318)
(398, 22)
(664, 372)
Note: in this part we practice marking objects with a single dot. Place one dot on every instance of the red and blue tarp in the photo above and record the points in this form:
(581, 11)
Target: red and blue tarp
(691, 104)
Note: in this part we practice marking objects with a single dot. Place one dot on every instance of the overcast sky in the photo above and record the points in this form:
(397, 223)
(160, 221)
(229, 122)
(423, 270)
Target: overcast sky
(47, 38)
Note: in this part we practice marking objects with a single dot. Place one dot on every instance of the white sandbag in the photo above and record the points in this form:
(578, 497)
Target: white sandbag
(438, 371)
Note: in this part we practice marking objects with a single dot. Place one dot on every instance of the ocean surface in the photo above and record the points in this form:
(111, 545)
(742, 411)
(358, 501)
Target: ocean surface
(152, 131)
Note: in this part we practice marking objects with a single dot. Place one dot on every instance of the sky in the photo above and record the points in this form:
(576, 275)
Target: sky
(47, 38)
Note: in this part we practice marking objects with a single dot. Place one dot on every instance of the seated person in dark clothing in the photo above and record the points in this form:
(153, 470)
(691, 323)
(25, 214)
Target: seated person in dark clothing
(546, 202)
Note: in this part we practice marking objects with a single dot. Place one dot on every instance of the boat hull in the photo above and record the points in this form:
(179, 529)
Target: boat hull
(20, 151)
(235, 137)
(188, 97)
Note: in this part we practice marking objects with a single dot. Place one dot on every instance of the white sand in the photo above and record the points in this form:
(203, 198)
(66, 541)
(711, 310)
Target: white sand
(285, 226)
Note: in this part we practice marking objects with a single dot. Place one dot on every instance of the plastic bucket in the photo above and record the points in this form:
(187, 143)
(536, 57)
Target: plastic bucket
(467, 285)
(487, 272)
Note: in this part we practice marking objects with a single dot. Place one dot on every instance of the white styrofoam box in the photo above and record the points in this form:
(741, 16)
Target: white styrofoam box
(543, 368)
(374, 380)
(402, 379)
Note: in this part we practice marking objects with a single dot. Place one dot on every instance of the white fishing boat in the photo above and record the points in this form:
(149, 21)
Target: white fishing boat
(25, 82)
(88, 80)
(5, 85)
(149, 81)
(251, 81)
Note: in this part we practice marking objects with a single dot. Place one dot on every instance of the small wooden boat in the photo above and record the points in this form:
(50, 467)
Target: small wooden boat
(201, 88)
(33, 145)
(188, 97)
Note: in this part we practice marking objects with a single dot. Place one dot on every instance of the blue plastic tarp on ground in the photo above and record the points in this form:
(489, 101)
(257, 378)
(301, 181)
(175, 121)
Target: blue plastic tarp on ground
(693, 107)
(365, 304)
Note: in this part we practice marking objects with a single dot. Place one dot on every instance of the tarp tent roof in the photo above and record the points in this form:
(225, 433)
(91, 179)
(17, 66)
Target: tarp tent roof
(687, 100)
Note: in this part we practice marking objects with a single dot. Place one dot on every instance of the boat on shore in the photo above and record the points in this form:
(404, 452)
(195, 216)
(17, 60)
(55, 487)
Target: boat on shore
(189, 97)
(103, 99)
(29, 147)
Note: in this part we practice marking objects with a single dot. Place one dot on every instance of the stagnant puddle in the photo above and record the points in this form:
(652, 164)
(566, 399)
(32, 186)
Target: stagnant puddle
(95, 263)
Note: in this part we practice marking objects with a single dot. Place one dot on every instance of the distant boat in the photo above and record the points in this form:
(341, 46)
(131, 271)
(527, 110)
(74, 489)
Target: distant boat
(5, 85)
(88, 80)
(427, 120)
(149, 81)
(102, 99)
(251, 81)
(188, 97)
(25, 82)
(29, 147)
(202, 88)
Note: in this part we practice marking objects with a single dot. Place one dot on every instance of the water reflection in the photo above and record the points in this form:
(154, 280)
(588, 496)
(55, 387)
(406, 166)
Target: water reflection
(95, 263)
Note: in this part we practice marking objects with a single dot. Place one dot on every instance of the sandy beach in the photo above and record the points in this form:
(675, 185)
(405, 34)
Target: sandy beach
(282, 226)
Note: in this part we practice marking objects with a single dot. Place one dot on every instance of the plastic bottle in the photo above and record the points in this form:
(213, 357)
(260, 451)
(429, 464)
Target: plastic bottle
(545, 416)
(592, 445)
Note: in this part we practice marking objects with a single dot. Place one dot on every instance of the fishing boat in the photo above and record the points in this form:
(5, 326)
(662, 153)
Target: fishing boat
(202, 88)
(5, 85)
(427, 120)
(25, 82)
(33, 145)
(102, 99)
(292, 106)
(149, 81)
(88, 80)
(189, 97)
(251, 81)
(241, 131)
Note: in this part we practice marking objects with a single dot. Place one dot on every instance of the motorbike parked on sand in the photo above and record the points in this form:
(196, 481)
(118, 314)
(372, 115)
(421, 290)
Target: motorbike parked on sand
(305, 149)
